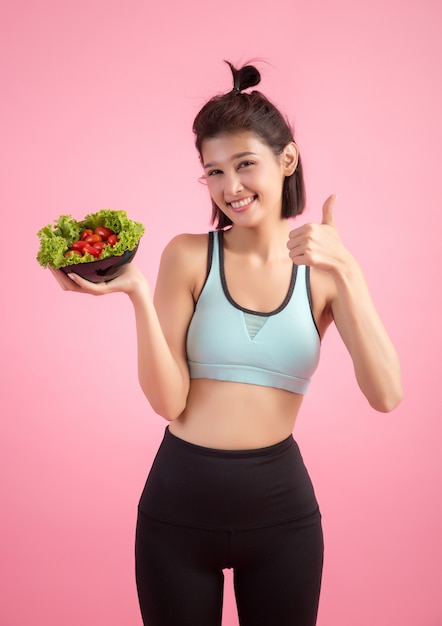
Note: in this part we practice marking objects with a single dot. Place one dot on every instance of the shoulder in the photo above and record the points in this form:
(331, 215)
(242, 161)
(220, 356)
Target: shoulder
(186, 249)
(187, 242)
(184, 259)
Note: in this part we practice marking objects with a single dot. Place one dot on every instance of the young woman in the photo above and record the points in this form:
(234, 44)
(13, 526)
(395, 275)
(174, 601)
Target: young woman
(226, 353)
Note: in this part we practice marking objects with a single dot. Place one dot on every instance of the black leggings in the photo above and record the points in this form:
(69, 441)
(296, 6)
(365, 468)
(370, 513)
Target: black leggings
(204, 510)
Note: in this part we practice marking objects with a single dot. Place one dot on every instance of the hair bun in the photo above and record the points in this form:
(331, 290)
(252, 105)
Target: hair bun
(247, 76)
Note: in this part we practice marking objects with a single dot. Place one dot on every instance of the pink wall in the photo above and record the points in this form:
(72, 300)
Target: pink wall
(96, 109)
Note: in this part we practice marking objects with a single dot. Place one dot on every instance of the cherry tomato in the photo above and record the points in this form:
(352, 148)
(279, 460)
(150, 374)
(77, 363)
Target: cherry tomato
(78, 245)
(99, 245)
(73, 253)
(103, 231)
(86, 233)
(88, 248)
(92, 238)
(112, 240)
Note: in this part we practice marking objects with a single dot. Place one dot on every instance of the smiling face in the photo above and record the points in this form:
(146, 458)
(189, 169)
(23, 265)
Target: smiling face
(244, 176)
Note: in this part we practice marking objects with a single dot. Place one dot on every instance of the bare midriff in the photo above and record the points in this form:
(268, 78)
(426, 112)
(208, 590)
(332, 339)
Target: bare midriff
(236, 416)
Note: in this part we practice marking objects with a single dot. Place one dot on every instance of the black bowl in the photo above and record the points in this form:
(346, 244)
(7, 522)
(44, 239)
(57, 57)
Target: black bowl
(102, 270)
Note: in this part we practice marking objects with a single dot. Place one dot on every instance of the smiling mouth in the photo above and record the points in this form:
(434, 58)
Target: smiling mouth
(244, 202)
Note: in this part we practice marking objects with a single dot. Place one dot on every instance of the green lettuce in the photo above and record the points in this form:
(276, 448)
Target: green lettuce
(57, 238)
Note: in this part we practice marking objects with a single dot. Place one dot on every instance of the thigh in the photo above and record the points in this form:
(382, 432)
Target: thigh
(278, 573)
(179, 574)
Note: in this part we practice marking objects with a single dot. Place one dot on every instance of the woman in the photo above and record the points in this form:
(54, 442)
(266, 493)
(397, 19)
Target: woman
(226, 352)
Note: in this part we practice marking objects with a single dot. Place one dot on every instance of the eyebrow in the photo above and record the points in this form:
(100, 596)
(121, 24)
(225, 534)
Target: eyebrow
(238, 155)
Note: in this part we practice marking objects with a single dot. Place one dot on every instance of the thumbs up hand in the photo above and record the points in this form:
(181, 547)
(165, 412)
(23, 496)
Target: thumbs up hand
(327, 211)
(318, 245)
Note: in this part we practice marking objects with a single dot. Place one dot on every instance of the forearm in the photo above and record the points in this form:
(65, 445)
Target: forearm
(375, 359)
(162, 380)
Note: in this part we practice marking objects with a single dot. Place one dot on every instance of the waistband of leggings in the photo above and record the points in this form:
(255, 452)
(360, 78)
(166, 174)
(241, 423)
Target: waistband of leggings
(254, 453)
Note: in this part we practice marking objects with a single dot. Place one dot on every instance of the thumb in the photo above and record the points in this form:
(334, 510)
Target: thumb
(327, 208)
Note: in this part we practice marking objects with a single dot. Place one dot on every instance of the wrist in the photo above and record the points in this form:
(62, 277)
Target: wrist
(138, 289)
(346, 269)
(135, 282)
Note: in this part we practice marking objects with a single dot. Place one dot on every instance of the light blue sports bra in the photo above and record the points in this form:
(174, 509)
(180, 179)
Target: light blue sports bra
(228, 342)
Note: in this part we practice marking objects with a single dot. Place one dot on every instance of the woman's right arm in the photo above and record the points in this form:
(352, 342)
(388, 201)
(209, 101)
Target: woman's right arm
(162, 329)
(161, 324)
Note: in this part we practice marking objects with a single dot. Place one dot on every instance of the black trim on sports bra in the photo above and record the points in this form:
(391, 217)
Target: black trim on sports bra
(209, 254)
(209, 263)
(309, 295)
(232, 301)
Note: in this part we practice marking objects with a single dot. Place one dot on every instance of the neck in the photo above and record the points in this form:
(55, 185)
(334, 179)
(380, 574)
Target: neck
(266, 243)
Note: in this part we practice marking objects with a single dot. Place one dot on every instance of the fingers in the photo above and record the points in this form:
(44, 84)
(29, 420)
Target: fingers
(129, 279)
(86, 286)
(313, 243)
(65, 283)
(305, 229)
(297, 242)
(73, 282)
(327, 211)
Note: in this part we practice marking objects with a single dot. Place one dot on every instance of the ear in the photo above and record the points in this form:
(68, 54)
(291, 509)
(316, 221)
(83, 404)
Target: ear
(290, 157)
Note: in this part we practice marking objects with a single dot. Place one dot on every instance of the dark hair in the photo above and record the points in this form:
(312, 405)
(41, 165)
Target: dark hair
(236, 111)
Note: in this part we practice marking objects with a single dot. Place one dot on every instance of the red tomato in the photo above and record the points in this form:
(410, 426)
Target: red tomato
(78, 245)
(86, 233)
(99, 245)
(103, 232)
(88, 248)
(112, 240)
(73, 253)
(92, 238)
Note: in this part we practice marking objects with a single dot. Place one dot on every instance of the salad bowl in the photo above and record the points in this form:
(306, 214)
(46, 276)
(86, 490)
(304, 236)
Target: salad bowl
(97, 248)
(102, 270)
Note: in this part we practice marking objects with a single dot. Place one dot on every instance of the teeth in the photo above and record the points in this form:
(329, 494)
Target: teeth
(240, 203)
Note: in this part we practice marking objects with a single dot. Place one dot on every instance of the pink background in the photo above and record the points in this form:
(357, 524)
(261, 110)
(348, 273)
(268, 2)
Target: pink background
(97, 103)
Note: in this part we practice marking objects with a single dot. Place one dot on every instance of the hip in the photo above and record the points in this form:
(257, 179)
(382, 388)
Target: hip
(205, 487)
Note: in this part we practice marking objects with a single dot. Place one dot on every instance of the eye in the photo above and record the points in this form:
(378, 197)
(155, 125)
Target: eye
(213, 172)
(244, 164)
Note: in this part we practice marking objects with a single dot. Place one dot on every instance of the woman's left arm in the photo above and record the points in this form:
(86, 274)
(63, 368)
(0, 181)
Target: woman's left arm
(374, 357)
(375, 360)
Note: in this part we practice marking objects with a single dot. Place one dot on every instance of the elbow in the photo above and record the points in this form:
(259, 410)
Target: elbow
(387, 402)
(170, 411)
(168, 403)
(384, 391)
(171, 415)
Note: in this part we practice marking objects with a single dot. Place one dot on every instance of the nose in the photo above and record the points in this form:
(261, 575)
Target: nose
(232, 184)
